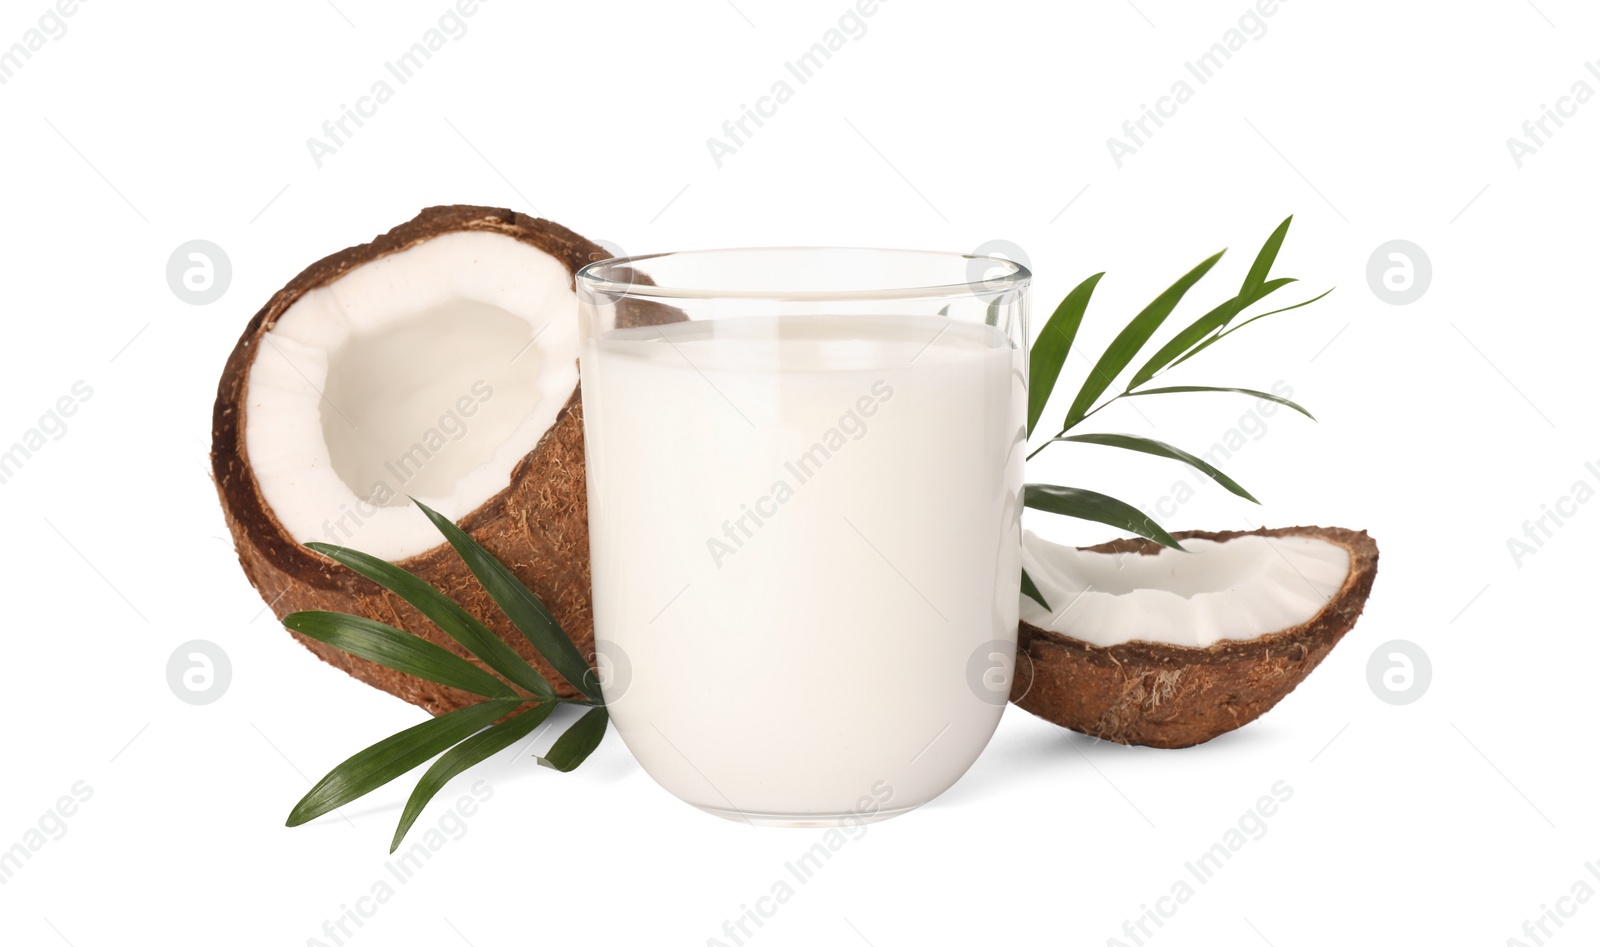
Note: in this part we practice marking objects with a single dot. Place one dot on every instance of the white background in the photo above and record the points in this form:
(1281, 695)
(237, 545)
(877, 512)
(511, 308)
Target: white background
(1443, 425)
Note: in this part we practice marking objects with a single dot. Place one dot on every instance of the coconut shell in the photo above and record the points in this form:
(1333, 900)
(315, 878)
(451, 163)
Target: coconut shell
(537, 525)
(1169, 696)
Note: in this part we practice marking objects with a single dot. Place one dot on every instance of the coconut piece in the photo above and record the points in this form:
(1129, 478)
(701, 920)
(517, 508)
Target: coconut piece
(440, 361)
(1151, 646)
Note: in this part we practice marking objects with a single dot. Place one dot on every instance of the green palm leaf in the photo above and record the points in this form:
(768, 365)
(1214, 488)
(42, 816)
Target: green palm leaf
(1263, 395)
(1148, 445)
(462, 757)
(1196, 331)
(1222, 333)
(440, 609)
(1050, 349)
(1131, 339)
(1265, 258)
(1089, 505)
(520, 605)
(394, 756)
(395, 649)
(574, 746)
(1032, 591)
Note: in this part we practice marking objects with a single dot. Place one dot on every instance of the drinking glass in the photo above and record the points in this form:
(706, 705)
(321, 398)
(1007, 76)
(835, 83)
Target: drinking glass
(804, 487)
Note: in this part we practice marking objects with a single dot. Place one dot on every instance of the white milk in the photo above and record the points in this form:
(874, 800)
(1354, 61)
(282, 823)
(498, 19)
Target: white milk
(804, 538)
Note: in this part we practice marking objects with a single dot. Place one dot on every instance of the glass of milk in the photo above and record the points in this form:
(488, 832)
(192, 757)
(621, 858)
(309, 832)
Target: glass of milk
(805, 478)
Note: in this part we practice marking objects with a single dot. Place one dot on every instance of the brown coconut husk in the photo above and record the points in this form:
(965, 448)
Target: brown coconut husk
(537, 525)
(1161, 695)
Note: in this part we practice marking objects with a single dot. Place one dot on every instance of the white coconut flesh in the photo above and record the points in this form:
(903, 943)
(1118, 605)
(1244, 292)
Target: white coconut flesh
(426, 373)
(1240, 589)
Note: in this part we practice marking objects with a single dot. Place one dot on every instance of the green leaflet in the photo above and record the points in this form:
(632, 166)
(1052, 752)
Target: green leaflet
(397, 650)
(1130, 340)
(451, 618)
(1161, 449)
(574, 746)
(520, 605)
(464, 756)
(1032, 591)
(1088, 505)
(1050, 349)
(1263, 395)
(395, 756)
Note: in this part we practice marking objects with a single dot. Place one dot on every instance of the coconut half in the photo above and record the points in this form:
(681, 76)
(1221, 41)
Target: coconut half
(438, 361)
(1152, 646)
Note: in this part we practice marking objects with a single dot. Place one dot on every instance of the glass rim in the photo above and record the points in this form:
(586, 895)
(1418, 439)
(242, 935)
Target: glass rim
(1016, 277)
